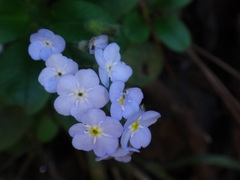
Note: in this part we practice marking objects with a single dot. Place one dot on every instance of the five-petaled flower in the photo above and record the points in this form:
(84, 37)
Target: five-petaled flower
(44, 43)
(124, 103)
(136, 130)
(57, 66)
(110, 65)
(79, 93)
(97, 132)
(99, 42)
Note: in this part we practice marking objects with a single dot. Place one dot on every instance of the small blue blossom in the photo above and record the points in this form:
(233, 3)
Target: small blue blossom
(44, 43)
(124, 103)
(110, 65)
(57, 66)
(97, 132)
(136, 130)
(99, 42)
(121, 155)
(80, 92)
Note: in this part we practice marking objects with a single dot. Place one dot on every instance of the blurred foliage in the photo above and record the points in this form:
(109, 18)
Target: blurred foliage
(173, 33)
(13, 124)
(27, 108)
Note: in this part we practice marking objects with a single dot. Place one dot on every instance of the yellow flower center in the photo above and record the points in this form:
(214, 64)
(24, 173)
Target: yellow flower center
(121, 100)
(135, 126)
(95, 131)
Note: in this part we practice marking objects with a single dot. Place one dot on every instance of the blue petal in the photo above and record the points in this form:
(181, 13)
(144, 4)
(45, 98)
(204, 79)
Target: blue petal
(105, 145)
(71, 67)
(120, 152)
(78, 110)
(103, 77)
(98, 96)
(135, 94)
(149, 118)
(76, 128)
(58, 44)
(87, 78)
(111, 53)
(61, 63)
(34, 50)
(125, 138)
(41, 35)
(121, 72)
(45, 53)
(56, 60)
(141, 138)
(67, 85)
(103, 158)
(116, 111)
(48, 79)
(99, 58)
(112, 127)
(46, 33)
(82, 142)
(115, 90)
(130, 109)
(93, 117)
(63, 105)
(127, 158)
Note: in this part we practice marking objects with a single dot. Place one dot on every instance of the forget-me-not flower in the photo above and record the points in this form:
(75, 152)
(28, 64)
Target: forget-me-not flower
(110, 65)
(44, 43)
(80, 92)
(99, 42)
(136, 130)
(124, 103)
(97, 132)
(121, 155)
(57, 66)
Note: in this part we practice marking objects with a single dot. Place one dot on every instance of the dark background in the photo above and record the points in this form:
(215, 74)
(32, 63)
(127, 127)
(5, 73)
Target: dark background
(198, 135)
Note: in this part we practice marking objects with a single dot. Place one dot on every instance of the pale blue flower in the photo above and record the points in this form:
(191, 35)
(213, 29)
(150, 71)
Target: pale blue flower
(121, 155)
(110, 65)
(136, 132)
(97, 132)
(57, 66)
(124, 103)
(44, 43)
(99, 42)
(79, 93)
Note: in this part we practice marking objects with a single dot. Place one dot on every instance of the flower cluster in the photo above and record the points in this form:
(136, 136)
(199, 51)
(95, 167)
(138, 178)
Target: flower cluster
(82, 93)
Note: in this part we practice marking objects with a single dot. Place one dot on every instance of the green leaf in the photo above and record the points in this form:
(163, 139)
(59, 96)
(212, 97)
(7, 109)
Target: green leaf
(173, 33)
(19, 78)
(100, 27)
(145, 62)
(14, 20)
(173, 4)
(13, 125)
(71, 31)
(47, 130)
(135, 28)
(79, 10)
(118, 8)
